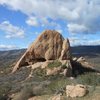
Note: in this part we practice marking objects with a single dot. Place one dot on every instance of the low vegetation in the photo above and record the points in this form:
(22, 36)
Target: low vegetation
(55, 63)
(89, 79)
(64, 66)
(24, 94)
(40, 85)
(39, 72)
(4, 91)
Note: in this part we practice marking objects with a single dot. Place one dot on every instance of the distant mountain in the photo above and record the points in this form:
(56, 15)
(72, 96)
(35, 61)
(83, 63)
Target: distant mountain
(90, 51)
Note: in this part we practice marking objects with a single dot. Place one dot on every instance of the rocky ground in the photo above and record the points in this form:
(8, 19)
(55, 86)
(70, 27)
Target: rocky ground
(17, 83)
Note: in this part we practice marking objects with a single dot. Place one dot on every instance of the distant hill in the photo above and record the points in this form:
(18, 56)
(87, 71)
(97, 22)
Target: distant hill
(8, 57)
(90, 51)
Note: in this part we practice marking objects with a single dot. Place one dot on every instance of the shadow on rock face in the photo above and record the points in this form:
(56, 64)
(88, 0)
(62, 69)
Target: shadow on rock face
(78, 69)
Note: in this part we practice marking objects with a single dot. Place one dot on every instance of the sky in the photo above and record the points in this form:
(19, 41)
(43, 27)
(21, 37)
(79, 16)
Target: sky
(21, 21)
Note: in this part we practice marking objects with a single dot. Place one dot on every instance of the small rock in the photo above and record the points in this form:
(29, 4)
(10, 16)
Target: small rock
(53, 71)
(76, 91)
(71, 78)
(45, 64)
(37, 65)
(81, 59)
(57, 97)
(74, 59)
(1, 72)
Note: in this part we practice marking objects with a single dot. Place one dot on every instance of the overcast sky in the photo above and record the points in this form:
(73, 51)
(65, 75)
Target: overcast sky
(21, 21)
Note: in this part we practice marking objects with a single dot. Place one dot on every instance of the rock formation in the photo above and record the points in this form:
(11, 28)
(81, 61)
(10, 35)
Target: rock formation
(50, 45)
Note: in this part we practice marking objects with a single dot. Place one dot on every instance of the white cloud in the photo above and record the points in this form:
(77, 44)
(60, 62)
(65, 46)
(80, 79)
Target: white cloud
(85, 13)
(75, 41)
(11, 30)
(36, 33)
(43, 8)
(93, 42)
(60, 31)
(7, 47)
(32, 21)
(44, 22)
(76, 28)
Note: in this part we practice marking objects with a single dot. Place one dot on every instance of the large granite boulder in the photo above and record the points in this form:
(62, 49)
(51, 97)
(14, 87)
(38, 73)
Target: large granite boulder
(50, 45)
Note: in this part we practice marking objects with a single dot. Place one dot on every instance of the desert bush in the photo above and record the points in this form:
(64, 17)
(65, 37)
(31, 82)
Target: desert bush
(4, 91)
(89, 79)
(54, 64)
(55, 84)
(58, 85)
(39, 90)
(39, 72)
(30, 90)
(24, 94)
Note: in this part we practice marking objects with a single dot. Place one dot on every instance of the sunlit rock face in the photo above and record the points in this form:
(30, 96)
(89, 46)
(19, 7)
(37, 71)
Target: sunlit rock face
(50, 45)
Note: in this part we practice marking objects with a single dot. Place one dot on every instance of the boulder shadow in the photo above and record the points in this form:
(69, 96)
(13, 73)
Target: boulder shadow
(78, 69)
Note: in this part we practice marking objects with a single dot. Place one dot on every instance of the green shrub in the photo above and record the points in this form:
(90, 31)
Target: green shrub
(89, 79)
(58, 84)
(64, 66)
(4, 91)
(39, 90)
(30, 90)
(24, 94)
(54, 64)
(39, 72)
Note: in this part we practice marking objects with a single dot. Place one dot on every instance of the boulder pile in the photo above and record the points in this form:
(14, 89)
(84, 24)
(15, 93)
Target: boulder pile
(50, 45)
(50, 51)
(49, 55)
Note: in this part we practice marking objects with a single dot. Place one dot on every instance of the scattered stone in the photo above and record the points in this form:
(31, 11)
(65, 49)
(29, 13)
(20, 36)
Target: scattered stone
(57, 97)
(37, 65)
(1, 72)
(64, 62)
(75, 59)
(76, 91)
(33, 98)
(72, 78)
(87, 64)
(81, 59)
(67, 71)
(98, 73)
(45, 64)
(84, 63)
(53, 71)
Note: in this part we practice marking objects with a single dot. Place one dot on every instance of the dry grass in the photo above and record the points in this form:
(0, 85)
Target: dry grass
(94, 95)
